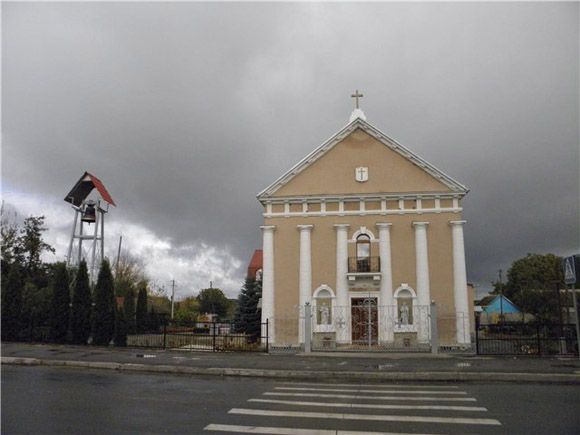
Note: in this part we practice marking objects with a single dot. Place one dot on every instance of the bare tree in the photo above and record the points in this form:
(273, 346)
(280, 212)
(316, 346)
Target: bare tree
(129, 273)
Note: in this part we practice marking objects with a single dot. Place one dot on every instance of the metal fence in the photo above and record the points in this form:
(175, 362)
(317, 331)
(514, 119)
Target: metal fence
(362, 326)
(519, 338)
(204, 336)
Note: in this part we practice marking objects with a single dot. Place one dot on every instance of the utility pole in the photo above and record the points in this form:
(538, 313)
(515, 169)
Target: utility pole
(501, 296)
(172, 296)
(118, 256)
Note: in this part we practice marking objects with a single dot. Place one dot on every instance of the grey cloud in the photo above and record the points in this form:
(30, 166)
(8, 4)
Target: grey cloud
(187, 110)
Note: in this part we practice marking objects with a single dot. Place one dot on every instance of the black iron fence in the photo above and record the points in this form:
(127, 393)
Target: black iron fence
(364, 265)
(204, 336)
(519, 338)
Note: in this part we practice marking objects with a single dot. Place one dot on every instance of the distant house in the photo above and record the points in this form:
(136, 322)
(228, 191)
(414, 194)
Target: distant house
(493, 307)
(255, 266)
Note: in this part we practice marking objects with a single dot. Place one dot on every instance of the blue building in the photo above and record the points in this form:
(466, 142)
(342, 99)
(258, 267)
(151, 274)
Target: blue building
(493, 307)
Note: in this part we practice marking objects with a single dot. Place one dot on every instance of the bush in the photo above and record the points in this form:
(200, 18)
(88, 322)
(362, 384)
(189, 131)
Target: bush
(12, 303)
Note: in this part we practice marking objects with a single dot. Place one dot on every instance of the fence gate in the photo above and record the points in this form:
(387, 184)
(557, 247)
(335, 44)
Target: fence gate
(364, 316)
(519, 338)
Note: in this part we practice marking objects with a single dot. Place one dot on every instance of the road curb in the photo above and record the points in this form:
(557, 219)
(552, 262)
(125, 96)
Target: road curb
(456, 376)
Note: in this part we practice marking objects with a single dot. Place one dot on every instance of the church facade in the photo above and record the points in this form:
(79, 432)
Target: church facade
(369, 236)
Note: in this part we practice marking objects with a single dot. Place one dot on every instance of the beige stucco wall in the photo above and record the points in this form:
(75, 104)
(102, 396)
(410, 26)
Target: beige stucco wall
(334, 172)
(323, 248)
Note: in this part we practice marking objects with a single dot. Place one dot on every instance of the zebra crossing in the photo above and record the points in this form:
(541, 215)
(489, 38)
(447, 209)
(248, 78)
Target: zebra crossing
(300, 408)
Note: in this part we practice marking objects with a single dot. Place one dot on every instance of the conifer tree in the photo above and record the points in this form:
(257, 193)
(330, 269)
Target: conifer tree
(129, 308)
(60, 308)
(81, 307)
(120, 328)
(104, 319)
(153, 321)
(141, 310)
(248, 316)
(12, 303)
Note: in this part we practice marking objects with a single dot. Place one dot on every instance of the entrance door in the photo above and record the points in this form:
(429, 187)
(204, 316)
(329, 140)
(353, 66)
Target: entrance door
(364, 321)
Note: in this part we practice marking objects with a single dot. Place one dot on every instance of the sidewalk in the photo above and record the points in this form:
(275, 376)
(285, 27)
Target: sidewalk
(328, 366)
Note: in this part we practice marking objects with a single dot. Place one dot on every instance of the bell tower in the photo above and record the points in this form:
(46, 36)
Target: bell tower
(90, 200)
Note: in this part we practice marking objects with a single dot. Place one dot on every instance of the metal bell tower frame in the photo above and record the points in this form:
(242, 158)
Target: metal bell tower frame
(87, 212)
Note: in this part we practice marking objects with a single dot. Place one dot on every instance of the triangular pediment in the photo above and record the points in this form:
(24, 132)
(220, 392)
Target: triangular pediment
(392, 168)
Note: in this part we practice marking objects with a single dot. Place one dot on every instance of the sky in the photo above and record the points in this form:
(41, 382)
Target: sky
(187, 110)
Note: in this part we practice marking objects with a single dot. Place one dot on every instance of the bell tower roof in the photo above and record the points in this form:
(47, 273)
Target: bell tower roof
(84, 187)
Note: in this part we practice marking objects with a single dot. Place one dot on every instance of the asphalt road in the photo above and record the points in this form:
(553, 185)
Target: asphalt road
(42, 400)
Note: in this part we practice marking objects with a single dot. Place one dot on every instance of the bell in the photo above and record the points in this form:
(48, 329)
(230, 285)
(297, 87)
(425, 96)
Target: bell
(89, 214)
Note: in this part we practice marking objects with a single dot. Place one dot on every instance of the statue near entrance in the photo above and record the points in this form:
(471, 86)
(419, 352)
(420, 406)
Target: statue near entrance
(404, 314)
(324, 315)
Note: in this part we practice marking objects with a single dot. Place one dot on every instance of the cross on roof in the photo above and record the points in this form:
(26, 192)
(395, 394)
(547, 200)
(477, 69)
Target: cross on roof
(356, 96)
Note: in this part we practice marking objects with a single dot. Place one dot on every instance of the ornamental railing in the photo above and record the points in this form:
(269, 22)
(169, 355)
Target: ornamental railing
(364, 265)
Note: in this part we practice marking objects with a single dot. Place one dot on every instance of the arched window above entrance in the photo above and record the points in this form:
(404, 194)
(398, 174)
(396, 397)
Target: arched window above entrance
(363, 247)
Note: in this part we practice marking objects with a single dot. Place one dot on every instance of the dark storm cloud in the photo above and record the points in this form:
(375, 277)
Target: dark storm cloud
(186, 111)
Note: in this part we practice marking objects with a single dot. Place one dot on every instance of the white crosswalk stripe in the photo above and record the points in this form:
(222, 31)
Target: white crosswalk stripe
(323, 405)
(352, 390)
(401, 386)
(292, 431)
(342, 416)
(373, 406)
(359, 396)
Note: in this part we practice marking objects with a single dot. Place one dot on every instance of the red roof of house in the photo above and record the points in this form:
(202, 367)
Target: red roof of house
(83, 188)
(255, 263)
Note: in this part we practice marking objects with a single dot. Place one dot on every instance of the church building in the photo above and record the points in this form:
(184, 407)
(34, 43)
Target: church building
(369, 236)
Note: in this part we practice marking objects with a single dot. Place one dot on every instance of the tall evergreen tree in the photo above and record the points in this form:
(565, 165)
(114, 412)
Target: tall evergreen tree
(141, 310)
(81, 306)
(120, 328)
(129, 308)
(60, 308)
(248, 316)
(153, 321)
(12, 303)
(104, 318)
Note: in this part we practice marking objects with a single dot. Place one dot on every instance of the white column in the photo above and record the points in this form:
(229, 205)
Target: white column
(422, 277)
(462, 319)
(341, 317)
(386, 311)
(305, 278)
(268, 280)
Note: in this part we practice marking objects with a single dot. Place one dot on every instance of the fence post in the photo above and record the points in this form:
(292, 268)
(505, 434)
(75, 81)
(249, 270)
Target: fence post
(165, 334)
(538, 339)
(213, 334)
(477, 322)
(307, 328)
(434, 331)
(267, 346)
(267, 337)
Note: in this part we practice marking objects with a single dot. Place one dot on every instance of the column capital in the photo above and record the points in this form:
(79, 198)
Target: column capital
(268, 227)
(384, 225)
(420, 224)
(341, 226)
(304, 227)
(457, 222)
